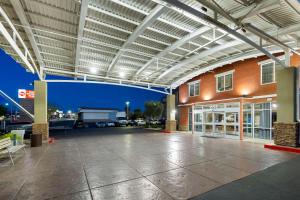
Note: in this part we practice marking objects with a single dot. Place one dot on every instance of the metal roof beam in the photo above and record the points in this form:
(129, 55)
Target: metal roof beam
(262, 7)
(174, 46)
(82, 18)
(57, 55)
(171, 23)
(220, 25)
(248, 26)
(107, 78)
(256, 9)
(49, 6)
(197, 57)
(52, 39)
(120, 83)
(104, 34)
(23, 19)
(155, 13)
(54, 47)
(99, 9)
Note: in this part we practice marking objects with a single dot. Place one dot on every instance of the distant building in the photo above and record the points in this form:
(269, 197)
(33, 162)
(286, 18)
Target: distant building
(99, 114)
(28, 104)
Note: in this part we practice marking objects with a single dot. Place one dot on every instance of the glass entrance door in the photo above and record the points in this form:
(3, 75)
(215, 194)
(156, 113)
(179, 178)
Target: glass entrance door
(198, 123)
(208, 123)
(218, 120)
(232, 124)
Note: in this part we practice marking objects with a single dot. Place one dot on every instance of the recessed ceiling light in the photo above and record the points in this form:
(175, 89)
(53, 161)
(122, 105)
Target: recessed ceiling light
(122, 74)
(93, 70)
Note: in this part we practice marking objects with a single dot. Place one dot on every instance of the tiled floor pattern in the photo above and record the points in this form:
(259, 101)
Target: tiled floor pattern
(131, 164)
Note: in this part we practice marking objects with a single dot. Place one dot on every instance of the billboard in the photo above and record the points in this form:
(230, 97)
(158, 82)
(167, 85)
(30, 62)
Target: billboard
(25, 94)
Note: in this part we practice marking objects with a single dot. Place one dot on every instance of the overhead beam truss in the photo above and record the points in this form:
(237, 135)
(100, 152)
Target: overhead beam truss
(86, 76)
(12, 40)
(23, 19)
(83, 14)
(243, 13)
(221, 26)
(155, 13)
(108, 83)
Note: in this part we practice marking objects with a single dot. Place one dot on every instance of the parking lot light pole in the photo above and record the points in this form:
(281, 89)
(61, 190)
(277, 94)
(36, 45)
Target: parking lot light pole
(127, 109)
(7, 104)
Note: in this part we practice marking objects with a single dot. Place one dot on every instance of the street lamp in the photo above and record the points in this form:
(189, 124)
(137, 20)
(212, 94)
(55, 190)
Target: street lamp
(7, 104)
(127, 109)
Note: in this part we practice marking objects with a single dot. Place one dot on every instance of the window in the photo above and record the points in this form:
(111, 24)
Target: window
(194, 88)
(224, 81)
(267, 72)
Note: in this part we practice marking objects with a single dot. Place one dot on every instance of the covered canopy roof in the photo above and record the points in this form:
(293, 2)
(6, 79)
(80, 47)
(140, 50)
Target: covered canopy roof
(152, 43)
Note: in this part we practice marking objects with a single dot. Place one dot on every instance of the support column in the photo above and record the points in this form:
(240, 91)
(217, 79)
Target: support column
(171, 122)
(40, 125)
(286, 127)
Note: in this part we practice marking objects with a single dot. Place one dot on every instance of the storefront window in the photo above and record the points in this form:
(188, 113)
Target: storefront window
(268, 73)
(231, 117)
(224, 81)
(257, 122)
(219, 117)
(194, 88)
(208, 128)
(208, 117)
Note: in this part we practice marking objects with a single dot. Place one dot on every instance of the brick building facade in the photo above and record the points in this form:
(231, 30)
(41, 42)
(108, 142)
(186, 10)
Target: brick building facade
(236, 100)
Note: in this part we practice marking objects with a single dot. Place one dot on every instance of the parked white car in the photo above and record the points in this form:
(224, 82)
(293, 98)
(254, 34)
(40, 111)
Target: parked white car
(122, 121)
(101, 124)
(140, 122)
(110, 124)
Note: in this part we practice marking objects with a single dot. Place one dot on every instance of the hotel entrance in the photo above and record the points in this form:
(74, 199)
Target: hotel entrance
(217, 120)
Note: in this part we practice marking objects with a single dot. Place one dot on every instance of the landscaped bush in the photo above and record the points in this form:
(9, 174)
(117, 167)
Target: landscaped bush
(13, 137)
(7, 135)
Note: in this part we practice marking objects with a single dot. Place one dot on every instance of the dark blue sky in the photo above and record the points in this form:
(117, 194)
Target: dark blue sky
(70, 96)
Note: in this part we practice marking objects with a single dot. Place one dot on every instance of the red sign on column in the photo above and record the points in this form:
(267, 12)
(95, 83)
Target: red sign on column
(25, 94)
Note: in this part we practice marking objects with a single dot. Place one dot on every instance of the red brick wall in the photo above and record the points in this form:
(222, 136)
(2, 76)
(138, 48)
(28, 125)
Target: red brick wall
(183, 117)
(246, 81)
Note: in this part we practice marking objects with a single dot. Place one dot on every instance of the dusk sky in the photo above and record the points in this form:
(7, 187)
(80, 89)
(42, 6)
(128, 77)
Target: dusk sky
(70, 96)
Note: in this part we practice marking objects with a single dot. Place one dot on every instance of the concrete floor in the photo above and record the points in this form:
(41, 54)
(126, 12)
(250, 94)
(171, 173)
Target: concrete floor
(125, 163)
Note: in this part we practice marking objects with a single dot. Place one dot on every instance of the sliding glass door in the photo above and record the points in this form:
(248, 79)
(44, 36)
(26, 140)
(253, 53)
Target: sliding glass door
(217, 120)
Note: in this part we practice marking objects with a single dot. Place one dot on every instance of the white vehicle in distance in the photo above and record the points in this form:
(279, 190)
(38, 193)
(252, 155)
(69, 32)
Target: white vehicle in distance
(122, 121)
(110, 124)
(140, 122)
(100, 124)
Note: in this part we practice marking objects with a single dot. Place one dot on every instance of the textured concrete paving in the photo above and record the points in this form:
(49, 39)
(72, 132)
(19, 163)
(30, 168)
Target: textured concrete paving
(125, 163)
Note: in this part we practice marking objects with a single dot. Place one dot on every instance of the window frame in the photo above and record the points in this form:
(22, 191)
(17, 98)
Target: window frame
(193, 83)
(224, 74)
(274, 73)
